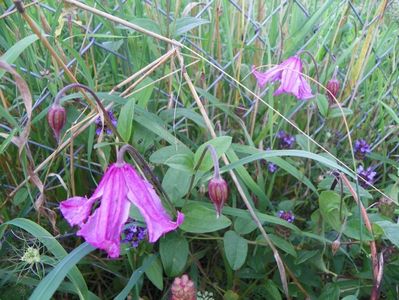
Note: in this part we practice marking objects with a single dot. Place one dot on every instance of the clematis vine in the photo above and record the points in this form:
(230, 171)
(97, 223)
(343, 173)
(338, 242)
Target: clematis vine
(120, 187)
(289, 73)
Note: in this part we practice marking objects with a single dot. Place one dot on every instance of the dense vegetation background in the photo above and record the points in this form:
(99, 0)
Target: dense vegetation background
(313, 184)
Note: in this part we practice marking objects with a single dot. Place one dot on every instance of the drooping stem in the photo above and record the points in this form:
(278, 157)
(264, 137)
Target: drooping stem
(216, 172)
(315, 66)
(108, 121)
(135, 154)
(145, 168)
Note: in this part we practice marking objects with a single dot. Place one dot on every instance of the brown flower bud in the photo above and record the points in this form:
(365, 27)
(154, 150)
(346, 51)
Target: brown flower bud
(218, 192)
(56, 118)
(332, 89)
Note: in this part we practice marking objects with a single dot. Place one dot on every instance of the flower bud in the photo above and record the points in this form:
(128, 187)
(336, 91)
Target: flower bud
(335, 246)
(183, 289)
(56, 118)
(332, 89)
(218, 192)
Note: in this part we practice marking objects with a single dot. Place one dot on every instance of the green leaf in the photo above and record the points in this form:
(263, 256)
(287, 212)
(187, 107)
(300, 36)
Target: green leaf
(125, 120)
(282, 244)
(174, 252)
(244, 226)
(144, 91)
(54, 247)
(176, 183)
(200, 219)
(221, 145)
(154, 271)
(336, 112)
(50, 283)
(15, 51)
(162, 155)
(145, 23)
(235, 248)
(330, 203)
(322, 104)
(185, 24)
(182, 162)
(391, 231)
(330, 292)
(134, 279)
(272, 290)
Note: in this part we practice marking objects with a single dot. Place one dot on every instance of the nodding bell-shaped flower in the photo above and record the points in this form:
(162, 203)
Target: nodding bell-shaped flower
(56, 117)
(289, 73)
(120, 187)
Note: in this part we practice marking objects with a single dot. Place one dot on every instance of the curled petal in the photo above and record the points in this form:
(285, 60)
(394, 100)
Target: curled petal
(143, 196)
(269, 76)
(76, 209)
(305, 92)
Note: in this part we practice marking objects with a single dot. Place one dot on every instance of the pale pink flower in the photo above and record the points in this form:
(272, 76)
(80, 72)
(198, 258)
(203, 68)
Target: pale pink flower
(289, 72)
(120, 187)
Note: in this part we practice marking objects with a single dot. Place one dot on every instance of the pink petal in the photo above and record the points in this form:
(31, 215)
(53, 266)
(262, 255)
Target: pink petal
(76, 209)
(103, 228)
(269, 76)
(142, 195)
(290, 78)
(305, 92)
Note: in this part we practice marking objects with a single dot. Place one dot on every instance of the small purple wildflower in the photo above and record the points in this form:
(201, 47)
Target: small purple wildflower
(287, 216)
(286, 141)
(271, 167)
(108, 130)
(134, 234)
(361, 148)
(367, 174)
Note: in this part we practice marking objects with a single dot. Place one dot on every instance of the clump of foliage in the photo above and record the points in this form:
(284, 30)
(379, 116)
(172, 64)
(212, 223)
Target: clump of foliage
(284, 111)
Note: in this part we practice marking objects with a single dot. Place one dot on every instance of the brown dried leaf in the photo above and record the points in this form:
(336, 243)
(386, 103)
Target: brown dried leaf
(23, 88)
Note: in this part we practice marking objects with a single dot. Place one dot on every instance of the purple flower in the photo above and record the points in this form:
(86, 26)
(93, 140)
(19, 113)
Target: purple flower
(361, 148)
(99, 127)
(286, 141)
(287, 216)
(367, 174)
(271, 167)
(134, 234)
(120, 187)
(289, 72)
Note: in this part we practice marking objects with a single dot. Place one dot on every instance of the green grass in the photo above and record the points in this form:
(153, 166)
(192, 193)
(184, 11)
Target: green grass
(160, 117)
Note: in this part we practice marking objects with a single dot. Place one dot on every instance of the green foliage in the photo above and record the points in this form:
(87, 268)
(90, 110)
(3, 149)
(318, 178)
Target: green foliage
(327, 250)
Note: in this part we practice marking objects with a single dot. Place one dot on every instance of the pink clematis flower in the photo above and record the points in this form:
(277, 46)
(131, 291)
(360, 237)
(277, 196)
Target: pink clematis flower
(289, 72)
(120, 187)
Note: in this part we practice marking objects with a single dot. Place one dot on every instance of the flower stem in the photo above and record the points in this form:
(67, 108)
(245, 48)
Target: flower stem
(216, 172)
(146, 170)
